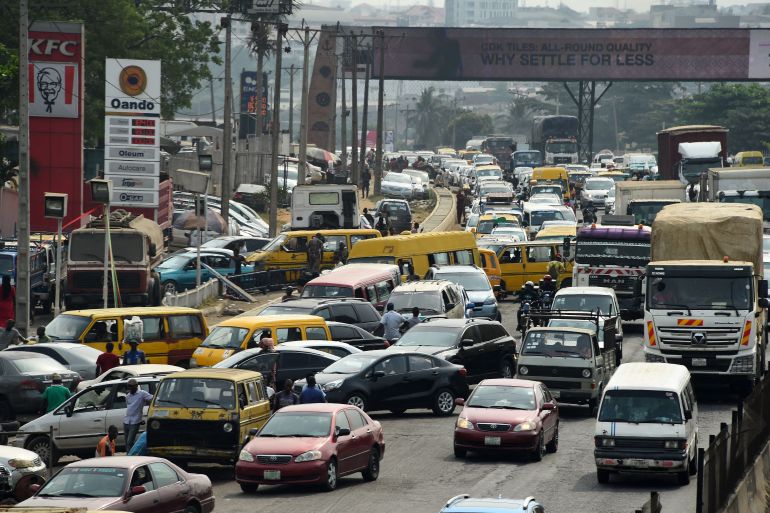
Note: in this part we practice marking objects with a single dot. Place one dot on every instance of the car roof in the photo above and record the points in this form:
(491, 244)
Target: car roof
(667, 377)
(267, 320)
(139, 379)
(422, 285)
(18, 355)
(311, 302)
(215, 373)
(140, 310)
(282, 348)
(117, 461)
(582, 291)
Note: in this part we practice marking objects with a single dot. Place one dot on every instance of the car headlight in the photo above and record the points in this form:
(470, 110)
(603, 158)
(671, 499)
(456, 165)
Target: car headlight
(526, 426)
(154, 424)
(308, 456)
(605, 442)
(245, 456)
(227, 427)
(333, 385)
(464, 423)
(20, 463)
(586, 373)
(523, 370)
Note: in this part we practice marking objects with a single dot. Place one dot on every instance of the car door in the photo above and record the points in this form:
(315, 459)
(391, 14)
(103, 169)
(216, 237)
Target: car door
(344, 313)
(295, 365)
(472, 355)
(173, 491)
(548, 417)
(512, 267)
(87, 423)
(116, 409)
(390, 389)
(368, 318)
(421, 378)
(364, 437)
(149, 501)
(491, 352)
(347, 446)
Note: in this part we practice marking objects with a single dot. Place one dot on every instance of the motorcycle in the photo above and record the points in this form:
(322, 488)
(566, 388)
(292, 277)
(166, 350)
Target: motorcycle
(589, 215)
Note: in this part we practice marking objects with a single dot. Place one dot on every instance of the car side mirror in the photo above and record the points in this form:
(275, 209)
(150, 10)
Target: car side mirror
(137, 490)
(378, 374)
(459, 401)
(341, 431)
(687, 415)
(548, 406)
(253, 432)
(763, 293)
(466, 342)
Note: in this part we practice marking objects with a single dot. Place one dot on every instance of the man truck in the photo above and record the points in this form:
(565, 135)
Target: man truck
(555, 137)
(706, 296)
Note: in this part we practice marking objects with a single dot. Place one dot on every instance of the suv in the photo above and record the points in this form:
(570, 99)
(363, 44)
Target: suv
(434, 298)
(476, 284)
(399, 213)
(350, 311)
(484, 348)
(289, 362)
(465, 502)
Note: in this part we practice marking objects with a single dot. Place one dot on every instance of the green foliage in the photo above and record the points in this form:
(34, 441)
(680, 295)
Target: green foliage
(465, 125)
(431, 113)
(9, 78)
(9, 159)
(742, 108)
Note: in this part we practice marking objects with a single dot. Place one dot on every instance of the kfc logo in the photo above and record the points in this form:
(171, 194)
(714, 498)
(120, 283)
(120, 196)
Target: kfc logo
(53, 90)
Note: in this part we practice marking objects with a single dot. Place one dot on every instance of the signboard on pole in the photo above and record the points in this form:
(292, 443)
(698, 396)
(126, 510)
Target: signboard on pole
(132, 131)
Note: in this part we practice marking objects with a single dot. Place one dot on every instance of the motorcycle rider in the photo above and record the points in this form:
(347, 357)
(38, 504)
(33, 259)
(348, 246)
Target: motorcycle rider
(547, 291)
(527, 296)
(589, 215)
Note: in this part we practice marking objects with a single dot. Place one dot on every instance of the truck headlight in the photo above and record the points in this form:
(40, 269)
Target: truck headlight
(586, 373)
(675, 444)
(308, 456)
(245, 456)
(605, 442)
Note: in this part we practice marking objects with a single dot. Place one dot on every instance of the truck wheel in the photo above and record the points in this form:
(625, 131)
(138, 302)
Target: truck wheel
(156, 296)
(603, 476)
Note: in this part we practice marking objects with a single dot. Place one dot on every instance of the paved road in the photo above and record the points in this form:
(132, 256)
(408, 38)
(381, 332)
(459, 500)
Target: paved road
(419, 471)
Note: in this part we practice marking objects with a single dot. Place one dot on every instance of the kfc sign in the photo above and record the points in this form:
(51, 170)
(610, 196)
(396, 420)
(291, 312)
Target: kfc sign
(53, 89)
(49, 46)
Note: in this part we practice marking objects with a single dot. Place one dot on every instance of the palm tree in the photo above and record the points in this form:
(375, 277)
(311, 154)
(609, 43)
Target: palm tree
(430, 112)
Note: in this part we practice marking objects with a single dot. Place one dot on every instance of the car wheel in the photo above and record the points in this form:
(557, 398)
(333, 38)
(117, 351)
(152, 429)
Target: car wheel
(249, 487)
(539, 452)
(169, 287)
(330, 484)
(603, 476)
(553, 445)
(41, 446)
(506, 369)
(499, 317)
(357, 400)
(372, 471)
(460, 452)
(444, 403)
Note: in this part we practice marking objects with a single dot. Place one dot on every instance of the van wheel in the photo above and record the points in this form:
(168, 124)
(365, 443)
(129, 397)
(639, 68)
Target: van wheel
(683, 478)
(249, 487)
(603, 476)
(692, 466)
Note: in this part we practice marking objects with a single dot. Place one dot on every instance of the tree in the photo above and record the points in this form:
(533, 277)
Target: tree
(431, 112)
(465, 125)
(142, 29)
(742, 108)
(522, 109)
(9, 80)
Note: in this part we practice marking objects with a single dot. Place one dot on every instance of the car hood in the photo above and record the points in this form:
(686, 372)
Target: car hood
(8, 453)
(498, 416)
(86, 503)
(479, 296)
(432, 350)
(293, 446)
(323, 379)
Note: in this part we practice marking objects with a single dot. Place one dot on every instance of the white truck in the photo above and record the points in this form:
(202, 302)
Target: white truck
(644, 199)
(742, 185)
(706, 296)
(324, 207)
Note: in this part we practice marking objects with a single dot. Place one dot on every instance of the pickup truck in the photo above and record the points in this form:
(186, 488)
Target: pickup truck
(569, 360)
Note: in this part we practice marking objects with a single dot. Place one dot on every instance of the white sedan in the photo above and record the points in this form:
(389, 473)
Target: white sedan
(131, 371)
(397, 185)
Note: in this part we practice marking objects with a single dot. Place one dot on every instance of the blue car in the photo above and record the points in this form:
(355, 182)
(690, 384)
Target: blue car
(177, 272)
(476, 284)
(466, 504)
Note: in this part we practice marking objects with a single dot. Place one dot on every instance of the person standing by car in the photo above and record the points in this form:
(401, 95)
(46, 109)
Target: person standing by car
(54, 395)
(134, 356)
(10, 336)
(460, 208)
(107, 360)
(237, 259)
(106, 446)
(392, 322)
(312, 392)
(315, 251)
(285, 397)
(414, 320)
(136, 400)
(369, 217)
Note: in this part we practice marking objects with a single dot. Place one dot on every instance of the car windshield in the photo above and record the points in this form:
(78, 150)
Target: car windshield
(37, 365)
(598, 185)
(469, 281)
(584, 303)
(487, 225)
(427, 302)
(503, 397)
(538, 216)
(526, 158)
(67, 327)
(641, 407)
(298, 424)
(85, 482)
(196, 393)
(494, 189)
(716, 293)
(351, 364)
(226, 337)
(429, 336)
(559, 344)
(174, 262)
(551, 189)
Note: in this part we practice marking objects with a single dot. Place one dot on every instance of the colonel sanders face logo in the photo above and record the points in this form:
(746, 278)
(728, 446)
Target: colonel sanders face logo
(49, 84)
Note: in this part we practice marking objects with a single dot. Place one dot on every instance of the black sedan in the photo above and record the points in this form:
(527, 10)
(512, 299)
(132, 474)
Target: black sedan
(384, 380)
(290, 362)
(356, 336)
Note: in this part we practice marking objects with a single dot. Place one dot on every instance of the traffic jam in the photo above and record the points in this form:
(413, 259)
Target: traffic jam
(503, 329)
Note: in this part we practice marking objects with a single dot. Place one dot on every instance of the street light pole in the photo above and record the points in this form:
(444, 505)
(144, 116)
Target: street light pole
(105, 277)
(380, 113)
(226, 191)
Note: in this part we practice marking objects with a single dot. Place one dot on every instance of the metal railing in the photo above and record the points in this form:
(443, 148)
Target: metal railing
(732, 451)
(265, 281)
(194, 298)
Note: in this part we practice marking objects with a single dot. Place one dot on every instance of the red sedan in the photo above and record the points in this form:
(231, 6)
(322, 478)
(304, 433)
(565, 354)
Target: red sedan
(513, 415)
(312, 443)
(127, 483)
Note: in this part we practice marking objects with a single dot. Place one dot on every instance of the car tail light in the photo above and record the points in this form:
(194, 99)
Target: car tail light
(463, 371)
(237, 195)
(386, 344)
(30, 384)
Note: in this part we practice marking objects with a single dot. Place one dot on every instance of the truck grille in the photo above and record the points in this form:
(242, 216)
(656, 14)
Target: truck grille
(493, 427)
(536, 371)
(192, 433)
(715, 337)
(83, 280)
(640, 443)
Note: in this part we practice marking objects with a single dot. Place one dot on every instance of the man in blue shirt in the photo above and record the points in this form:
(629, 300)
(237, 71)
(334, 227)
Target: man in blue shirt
(313, 393)
(133, 356)
(136, 399)
(392, 322)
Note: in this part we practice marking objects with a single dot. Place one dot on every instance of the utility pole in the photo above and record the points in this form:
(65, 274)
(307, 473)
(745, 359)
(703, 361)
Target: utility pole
(227, 143)
(305, 106)
(354, 114)
(365, 115)
(22, 265)
(260, 87)
(213, 105)
(276, 131)
(292, 71)
(344, 128)
(380, 112)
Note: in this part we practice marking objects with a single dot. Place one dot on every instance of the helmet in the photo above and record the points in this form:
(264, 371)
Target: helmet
(547, 277)
(529, 284)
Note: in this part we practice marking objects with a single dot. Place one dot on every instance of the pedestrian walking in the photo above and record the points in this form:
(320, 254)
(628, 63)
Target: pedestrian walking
(315, 248)
(366, 177)
(7, 300)
(285, 397)
(312, 393)
(460, 208)
(107, 360)
(238, 259)
(392, 322)
(106, 446)
(134, 356)
(54, 395)
(136, 399)
(369, 217)
(10, 336)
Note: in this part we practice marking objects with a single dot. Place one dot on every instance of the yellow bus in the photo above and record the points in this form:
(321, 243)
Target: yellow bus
(419, 251)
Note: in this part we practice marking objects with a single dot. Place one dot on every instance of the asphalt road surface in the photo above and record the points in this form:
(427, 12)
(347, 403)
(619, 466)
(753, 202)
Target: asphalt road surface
(419, 471)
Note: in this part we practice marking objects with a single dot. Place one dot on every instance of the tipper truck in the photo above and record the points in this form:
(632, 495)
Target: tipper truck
(555, 137)
(742, 185)
(644, 199)
(705, 294)
(687, 152)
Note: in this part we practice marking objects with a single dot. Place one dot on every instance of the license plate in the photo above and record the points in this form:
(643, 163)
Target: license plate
(637, 463)
(698, 362)
(556, 394)
(491, 440)
(272, 474)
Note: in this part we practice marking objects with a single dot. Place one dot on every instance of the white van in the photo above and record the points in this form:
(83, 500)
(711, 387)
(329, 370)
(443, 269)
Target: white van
(324, 207)
(647, 422)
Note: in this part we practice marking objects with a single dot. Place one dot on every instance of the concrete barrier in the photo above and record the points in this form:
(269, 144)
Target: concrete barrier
(753, 492)
(443, 218)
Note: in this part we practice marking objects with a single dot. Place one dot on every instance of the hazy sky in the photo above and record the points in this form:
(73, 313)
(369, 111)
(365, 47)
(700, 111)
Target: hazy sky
(580, 5)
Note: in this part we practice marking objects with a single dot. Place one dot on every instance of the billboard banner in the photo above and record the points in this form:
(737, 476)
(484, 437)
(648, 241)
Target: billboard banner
(575, 54)
(55, 89)
(252, 103)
